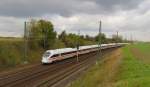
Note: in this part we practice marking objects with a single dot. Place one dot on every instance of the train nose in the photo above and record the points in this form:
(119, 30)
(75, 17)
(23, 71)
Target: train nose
(45, 60)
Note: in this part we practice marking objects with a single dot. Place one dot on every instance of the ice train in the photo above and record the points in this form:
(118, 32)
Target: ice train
(59, 54)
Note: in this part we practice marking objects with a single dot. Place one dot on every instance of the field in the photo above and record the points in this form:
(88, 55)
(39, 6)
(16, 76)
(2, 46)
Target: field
(135, 70)
(126, 67)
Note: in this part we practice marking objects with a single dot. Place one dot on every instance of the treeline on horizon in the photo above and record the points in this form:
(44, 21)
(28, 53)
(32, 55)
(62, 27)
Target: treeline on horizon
(42, 34)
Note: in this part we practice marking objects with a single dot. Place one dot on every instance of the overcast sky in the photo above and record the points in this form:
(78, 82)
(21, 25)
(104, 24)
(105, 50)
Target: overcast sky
(129, 17)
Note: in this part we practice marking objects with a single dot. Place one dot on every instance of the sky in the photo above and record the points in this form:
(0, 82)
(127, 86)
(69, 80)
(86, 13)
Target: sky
(131, 18)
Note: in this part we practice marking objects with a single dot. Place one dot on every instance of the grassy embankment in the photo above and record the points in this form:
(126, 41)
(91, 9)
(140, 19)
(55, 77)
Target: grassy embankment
(12, 53)
(132, 69)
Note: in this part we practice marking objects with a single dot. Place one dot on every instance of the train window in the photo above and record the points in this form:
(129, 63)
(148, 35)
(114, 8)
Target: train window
(55, 55)
(46, 54)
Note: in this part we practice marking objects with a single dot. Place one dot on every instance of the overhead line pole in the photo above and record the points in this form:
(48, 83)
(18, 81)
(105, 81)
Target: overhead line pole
(100, 30)
(117, 38)
(131, 39)
(25, 42)
(99, 42)
(78, 45)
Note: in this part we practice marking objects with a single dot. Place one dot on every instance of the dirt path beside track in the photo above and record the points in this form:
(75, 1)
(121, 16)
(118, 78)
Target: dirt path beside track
(110, 68)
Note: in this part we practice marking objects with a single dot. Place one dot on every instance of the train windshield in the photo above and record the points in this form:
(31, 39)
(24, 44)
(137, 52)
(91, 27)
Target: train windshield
(46, 54)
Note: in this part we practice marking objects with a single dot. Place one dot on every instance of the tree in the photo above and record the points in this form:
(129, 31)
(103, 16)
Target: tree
(71, 40)
(102, 37)
(62, 36)
(89, 38)
(42, 33)
(116, 38)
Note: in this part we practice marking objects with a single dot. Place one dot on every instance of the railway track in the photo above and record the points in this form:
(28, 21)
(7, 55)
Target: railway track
(61, 75)
(47, 75)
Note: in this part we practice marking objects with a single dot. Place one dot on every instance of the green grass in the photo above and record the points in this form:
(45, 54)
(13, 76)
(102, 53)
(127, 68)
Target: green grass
(134, 73)
(144, 47)
(12, 53)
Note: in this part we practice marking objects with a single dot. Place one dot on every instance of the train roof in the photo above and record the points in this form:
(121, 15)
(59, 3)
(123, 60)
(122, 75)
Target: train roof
(62, 50)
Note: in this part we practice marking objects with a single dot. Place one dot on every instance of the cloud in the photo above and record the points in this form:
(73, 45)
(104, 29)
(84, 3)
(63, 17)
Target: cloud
(129, 17)
(32, 8)
(11, 26)
(126, 22)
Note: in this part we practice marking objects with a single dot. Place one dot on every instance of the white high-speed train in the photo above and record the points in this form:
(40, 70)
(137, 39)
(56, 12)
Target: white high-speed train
(59, 54)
